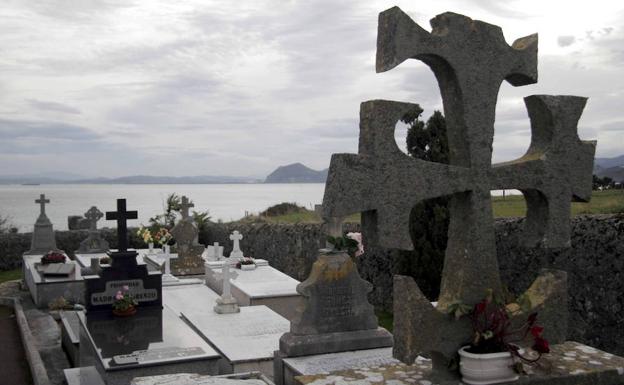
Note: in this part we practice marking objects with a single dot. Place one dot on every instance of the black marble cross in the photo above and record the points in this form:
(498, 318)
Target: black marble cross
(121, 216)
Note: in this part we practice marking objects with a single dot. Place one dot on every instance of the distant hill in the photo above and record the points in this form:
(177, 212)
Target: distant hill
(611, 167)
(136, 179)
(296, 173)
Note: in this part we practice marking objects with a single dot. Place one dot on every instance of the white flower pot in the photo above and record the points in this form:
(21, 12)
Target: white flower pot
(248, 267)
(482, 369)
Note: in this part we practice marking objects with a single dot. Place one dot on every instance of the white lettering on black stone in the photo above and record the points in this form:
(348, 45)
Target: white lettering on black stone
(135, 289)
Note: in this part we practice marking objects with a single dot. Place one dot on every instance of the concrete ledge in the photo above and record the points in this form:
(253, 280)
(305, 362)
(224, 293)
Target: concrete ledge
(292, 345)
(37, 368)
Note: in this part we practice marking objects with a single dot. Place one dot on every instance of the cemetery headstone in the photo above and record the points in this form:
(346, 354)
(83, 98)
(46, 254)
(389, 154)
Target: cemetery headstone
(335, 316)
(227, 304)
(43, 238)
(94, 243)
(144, 286)
(236, 253)
(384, 183)
(185, 233)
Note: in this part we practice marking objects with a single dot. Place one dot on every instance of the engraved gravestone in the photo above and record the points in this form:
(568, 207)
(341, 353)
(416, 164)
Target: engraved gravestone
(470, 59)
(43, 237)
(336, 315)
(94, 243)
(143, 285)
(185, 233)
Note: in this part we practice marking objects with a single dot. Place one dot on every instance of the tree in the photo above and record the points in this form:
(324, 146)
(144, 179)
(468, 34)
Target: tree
(429, 219)
(172, 209)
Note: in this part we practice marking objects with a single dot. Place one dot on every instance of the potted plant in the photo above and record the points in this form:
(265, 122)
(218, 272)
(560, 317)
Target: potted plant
(494, 354)
(351, 243)
(146, 235)
(124, 305)
(246, 263)
(53, 257)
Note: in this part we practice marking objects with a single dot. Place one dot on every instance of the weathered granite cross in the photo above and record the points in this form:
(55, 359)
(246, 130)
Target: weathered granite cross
(93, 215)
(236, 251)
(42, 202)
(185, 205)
(121, 216)
(470, 60)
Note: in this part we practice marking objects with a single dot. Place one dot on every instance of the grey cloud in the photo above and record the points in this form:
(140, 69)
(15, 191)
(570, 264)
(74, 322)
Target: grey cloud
(336, 129)
(12, 129)
(53, 106)
(613, 127)
(566, 40)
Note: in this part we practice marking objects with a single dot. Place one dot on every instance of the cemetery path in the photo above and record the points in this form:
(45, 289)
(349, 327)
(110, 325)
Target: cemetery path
(14, 364)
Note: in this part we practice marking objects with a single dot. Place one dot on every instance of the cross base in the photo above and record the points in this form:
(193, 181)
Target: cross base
(292, 345)
(226, 306)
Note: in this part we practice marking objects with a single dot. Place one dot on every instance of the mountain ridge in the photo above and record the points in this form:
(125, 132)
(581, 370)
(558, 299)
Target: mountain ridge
(296, 173)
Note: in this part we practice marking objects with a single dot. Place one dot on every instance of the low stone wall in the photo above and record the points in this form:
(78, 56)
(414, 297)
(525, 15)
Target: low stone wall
(595, 264)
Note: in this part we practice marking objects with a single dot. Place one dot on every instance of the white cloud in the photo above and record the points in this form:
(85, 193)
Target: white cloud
(217, 87)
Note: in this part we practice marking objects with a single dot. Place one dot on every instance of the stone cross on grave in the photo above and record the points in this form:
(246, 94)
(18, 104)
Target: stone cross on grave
(185, 205)
(168, 257)
(226, 303)
(236, 251)
(121, 216)
(42, 202)
(93, 215)
(470, 60)
(217, 251)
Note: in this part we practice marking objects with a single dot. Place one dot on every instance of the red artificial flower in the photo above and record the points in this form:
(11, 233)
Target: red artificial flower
(480, 307)
(536, 331)
(541, 345)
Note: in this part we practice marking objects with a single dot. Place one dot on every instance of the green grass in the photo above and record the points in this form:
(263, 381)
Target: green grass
(602, 202)
(10, 275)
(385, 319)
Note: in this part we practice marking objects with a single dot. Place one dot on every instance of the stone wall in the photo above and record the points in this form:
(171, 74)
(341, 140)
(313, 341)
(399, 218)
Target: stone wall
(595, 264)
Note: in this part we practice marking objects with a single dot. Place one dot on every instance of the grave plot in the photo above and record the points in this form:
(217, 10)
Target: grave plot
(154, 341)
(246, 339)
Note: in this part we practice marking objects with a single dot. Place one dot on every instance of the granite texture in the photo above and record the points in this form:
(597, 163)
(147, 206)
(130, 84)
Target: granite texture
(470, 60)
(569, 363)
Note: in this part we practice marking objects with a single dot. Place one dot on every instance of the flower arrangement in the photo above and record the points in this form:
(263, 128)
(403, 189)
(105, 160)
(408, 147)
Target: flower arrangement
(145, 234)
(163, 236)
(245, 261)
(53, 257)
(124, 303)
(351, 243)
(494, 331)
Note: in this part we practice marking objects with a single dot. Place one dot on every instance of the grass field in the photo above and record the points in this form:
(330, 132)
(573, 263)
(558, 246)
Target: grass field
(10, 275)
(602, 202)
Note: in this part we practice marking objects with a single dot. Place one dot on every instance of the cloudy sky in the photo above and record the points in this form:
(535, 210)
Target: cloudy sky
(122, 87)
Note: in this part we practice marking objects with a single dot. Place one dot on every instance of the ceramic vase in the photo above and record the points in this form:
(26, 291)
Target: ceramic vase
(483, 369)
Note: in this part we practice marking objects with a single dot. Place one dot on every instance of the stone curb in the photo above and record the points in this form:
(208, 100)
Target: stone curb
(37, 368)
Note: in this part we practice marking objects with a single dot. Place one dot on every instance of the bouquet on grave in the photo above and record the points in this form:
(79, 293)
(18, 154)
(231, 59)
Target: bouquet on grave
(145, 234)
(53, 257)
(163, 236)
(245, 261)
(351, 243)
(123, 301)
(494, 331)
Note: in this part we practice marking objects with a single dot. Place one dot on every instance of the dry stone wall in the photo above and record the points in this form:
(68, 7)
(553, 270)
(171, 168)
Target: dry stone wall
(595, 264)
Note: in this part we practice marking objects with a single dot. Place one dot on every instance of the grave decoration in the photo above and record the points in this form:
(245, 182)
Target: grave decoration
(470, 60)
(94, 243)
(143, 286)
(43, 237)
(335, 315)
(226, 304)
(185, 232)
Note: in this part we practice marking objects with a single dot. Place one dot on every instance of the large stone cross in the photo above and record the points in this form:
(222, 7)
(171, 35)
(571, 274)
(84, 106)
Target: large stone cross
(121, 216)
(93, 215)
(470, 60)
(185, 205)
(42, 202)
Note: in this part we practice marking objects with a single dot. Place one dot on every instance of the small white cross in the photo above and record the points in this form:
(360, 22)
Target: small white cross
(236, 251)
(226, 275)
(217, 251)
(168, 257)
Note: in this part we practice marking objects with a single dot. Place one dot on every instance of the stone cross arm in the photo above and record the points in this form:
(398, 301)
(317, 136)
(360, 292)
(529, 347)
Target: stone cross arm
(42, 202)
(381, 178)
(399, 38)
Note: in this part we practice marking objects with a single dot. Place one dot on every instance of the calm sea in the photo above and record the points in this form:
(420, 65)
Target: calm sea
(223, 201)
